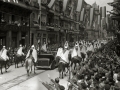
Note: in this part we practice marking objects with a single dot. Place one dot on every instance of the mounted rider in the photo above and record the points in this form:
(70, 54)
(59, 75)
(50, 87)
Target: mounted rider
(58, 55)
(3, 54)
(76, 53)
(34, 54)
(20, 52)
(64, 54)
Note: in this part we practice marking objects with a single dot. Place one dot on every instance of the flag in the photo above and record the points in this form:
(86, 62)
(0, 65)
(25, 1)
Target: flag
(82, 15)
(64, 4)
(51, 3)
(99, 19)
(91, 16)
(71, 12)
(104, 11)
(79, 5)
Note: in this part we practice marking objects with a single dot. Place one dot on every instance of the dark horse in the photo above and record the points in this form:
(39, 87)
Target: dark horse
(18, 59)
(61, 69)
(4, 63)
(62, 66)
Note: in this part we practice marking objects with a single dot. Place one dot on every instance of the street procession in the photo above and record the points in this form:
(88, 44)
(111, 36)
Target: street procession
(59, 45)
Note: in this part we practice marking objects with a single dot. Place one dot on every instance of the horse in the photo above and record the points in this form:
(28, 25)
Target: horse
(61, 68)
(18, 58)
(4, 62)
(63, 65)
(74, 58)
(29, 63)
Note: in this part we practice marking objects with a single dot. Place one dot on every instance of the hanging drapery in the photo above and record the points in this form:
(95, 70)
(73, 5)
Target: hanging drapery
(91, 16)
(99, 19)
(64, 4)
(79, 5)
(51, 3)
(82, 15)
(103, 11)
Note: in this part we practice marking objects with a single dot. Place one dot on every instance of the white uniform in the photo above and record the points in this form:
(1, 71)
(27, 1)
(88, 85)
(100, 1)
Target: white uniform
(64, 56)
(4, 55)
(19, 52)
(59, 52)
(34, 54)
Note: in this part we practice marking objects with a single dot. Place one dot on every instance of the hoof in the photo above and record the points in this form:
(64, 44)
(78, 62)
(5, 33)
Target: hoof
(6, 71)
(1, 73)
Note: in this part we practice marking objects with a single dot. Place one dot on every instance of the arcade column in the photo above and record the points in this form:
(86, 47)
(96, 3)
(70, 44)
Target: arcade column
(9, 39)
(18, 38)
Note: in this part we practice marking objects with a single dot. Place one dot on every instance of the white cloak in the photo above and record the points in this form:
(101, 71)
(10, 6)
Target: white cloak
(19, 52)
(59, 52)
(64, 56)
(4, 55)
(34, 54)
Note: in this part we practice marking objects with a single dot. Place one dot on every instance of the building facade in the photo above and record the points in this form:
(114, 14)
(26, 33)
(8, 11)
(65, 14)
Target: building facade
(15, 22)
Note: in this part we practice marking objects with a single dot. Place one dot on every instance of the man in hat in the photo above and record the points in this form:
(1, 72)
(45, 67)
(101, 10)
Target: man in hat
(4, 55)
(56, 83)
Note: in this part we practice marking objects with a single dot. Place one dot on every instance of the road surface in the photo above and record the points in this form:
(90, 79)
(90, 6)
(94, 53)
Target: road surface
(17, 79)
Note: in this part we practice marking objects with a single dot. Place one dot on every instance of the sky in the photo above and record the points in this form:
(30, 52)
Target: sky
(101, 3)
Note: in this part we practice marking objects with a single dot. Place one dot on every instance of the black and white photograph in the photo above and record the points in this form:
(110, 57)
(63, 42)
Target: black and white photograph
(59, 44)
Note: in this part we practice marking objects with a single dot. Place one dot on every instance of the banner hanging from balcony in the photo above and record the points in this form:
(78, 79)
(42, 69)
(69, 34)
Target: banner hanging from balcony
(91, 15)
(79, 5)
(64, 4)
(99, 20)
(82, 15)
(51, 3)
(103, 11)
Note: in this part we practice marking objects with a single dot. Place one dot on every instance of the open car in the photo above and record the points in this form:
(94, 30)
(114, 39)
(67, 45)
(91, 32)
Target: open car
(46, 60)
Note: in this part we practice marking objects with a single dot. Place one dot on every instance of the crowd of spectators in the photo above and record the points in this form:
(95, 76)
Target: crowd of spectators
(100, 72)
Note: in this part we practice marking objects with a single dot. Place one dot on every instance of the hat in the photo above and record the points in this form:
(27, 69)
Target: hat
(56, 79)
(3, 46)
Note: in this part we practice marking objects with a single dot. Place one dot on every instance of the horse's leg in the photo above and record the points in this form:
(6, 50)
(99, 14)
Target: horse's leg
(74, 66)
(17, 62)
(1, 67)
(62, 74)
(59, 74)
(5, 66)
(34, 68)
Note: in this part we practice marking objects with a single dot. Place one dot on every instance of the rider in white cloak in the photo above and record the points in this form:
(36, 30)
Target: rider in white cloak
(34, 53)
(64, 54)
(76, 53)
(58, 55)
(20, 52)
(4, 55)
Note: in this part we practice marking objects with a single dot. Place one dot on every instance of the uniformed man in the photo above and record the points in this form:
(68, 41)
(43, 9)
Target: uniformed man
(20, 52)
(34, 53)
(4, 55)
